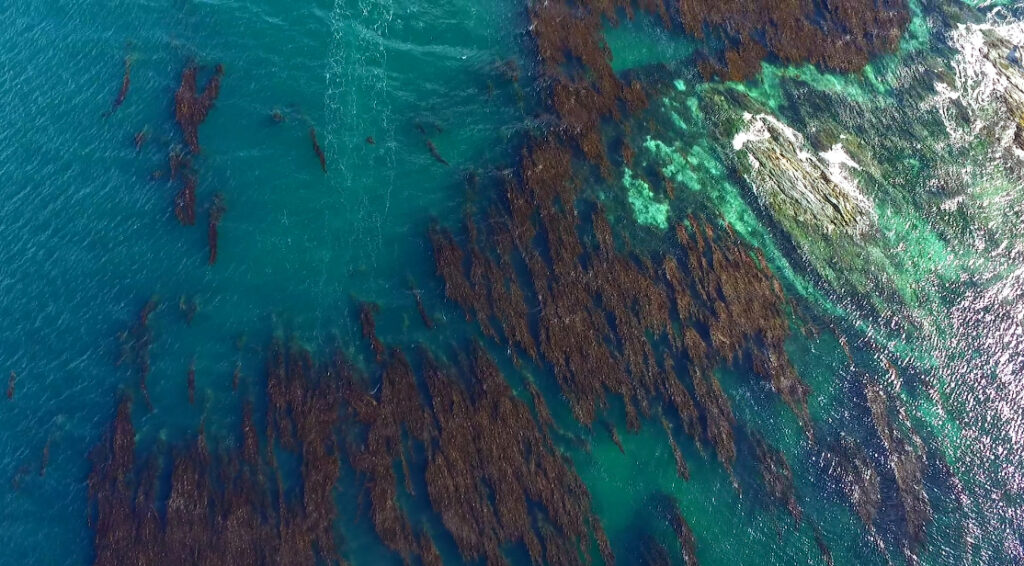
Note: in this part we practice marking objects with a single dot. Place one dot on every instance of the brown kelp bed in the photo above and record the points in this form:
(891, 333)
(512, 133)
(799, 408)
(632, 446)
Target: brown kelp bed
(546, 277)
(492, 473)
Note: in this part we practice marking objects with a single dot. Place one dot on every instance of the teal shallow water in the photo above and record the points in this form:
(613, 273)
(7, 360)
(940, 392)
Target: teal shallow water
(88, 238)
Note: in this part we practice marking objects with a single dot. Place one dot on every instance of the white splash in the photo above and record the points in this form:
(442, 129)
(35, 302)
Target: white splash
(837, 156)
(755, 132)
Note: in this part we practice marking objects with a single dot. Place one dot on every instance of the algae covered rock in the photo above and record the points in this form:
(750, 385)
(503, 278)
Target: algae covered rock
(805, 191)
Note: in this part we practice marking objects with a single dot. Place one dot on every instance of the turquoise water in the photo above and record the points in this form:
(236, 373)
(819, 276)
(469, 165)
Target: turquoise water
(89, 236)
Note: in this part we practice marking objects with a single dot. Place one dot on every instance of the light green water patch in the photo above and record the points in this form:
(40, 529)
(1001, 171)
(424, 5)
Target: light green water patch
(646, 208)
(767, 88)
(822, 365)
(972, 252)
(922, 268)
(920, 253)
(918, 34)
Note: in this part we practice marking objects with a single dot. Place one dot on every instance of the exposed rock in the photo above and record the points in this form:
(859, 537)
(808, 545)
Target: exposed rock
(805, 191)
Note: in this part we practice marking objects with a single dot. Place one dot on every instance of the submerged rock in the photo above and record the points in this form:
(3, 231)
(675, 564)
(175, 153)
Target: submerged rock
(907, 460)
(646, 208)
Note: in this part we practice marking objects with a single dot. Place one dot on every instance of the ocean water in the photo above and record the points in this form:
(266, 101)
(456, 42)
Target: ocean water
(929, 305)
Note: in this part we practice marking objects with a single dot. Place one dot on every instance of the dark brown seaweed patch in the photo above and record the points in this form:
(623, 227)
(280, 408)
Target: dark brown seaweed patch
(318, 150)
(217, 210)
(126, 81)
(191, 107)
(185, 202)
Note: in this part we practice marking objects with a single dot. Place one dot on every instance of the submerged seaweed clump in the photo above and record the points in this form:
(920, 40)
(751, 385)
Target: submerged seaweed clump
(135, 343)
(318, 150)
(217, 211)
(859, 480)
(126, 81)
(840, 36)
(711, 302)
(906, 459)
(191, 107)
(668, 507)
(777, 476)
(190, 110)
(185, 201)
(491, 473)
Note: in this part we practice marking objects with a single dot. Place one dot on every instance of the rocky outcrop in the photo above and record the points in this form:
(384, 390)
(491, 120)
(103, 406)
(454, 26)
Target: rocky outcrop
(805, 191)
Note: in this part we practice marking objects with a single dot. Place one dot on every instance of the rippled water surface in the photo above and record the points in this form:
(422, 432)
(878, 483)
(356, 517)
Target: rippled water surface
(924, 294)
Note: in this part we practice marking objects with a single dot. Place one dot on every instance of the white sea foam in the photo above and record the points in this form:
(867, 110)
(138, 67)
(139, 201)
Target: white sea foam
(756, 131)
(838, 157)
(986, 82)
